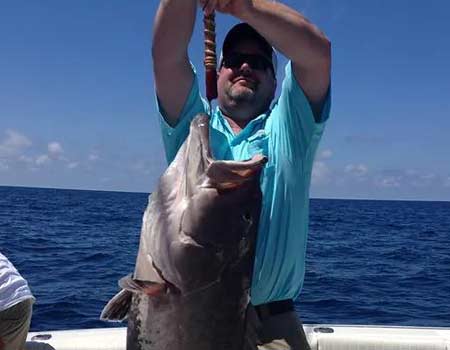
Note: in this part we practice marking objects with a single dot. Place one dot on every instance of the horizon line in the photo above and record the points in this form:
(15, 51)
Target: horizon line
(313, 198)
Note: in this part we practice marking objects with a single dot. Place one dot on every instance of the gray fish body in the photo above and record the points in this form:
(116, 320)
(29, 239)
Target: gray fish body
(211, 319)
(190, 288)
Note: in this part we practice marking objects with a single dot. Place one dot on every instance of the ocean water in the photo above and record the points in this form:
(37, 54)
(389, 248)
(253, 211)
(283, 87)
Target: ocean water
(368, 262)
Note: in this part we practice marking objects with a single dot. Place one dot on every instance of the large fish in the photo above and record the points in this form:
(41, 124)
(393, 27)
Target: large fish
(190, 288)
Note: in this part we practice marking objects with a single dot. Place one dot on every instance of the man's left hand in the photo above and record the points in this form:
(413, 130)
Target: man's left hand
(232, 7)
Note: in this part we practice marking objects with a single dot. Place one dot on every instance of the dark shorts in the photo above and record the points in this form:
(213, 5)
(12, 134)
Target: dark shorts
(275, 326)
(14, 325)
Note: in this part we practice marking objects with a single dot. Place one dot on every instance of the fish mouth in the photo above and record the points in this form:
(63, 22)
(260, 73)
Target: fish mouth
(233, 174)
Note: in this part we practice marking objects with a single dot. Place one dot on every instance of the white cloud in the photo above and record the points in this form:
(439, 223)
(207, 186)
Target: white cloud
(15, 153)
(142, 166)
(14, 143)
(412, 180)
(423, 180)
(26, 159)
(93, 157)
(389, 181)
(411, 172)
(358, 170)
(16, 139)
(326, 154)
(72, 165)
(43, 159)
(447, 182)
(429, 176)
(55, 150)
(320, 173)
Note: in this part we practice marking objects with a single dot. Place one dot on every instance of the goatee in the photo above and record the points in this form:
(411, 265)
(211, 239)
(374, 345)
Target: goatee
(241, 95)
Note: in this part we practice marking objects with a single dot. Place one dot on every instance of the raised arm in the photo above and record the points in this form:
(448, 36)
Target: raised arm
(291, 34)
(172, 32)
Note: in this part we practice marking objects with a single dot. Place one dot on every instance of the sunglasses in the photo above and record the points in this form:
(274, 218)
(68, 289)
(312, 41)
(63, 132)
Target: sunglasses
(257, 62)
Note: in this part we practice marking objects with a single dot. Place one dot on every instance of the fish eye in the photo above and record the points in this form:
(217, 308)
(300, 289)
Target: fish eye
(247, 216)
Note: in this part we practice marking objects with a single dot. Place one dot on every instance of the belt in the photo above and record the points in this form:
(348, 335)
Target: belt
(274, 308)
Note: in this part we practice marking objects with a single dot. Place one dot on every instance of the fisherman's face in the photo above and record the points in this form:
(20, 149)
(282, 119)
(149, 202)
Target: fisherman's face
(246, 80)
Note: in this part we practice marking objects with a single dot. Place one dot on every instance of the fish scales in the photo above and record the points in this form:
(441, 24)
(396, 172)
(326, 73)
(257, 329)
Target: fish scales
(190, 287)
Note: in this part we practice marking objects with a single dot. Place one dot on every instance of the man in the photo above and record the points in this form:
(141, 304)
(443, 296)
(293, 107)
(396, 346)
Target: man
(244, 124)
(16, 303)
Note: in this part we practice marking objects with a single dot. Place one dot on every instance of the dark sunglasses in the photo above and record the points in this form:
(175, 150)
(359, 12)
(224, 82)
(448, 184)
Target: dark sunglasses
(258, 62)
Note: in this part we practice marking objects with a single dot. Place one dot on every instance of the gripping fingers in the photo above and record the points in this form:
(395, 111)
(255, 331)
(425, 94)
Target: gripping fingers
(222, 5)
(208, 6)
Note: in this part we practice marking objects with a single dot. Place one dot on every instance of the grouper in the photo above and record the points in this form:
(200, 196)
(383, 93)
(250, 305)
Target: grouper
(190, 287)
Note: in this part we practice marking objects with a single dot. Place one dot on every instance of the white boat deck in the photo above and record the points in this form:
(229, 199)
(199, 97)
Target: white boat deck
(321, 337)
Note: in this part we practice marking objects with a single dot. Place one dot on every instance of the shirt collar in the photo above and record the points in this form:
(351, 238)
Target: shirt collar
(249, 128)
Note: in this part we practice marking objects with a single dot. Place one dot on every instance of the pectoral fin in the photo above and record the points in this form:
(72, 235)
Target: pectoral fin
(118, 307)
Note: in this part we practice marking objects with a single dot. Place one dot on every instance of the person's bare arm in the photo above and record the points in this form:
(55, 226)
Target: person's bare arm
(172, 32)
(294, 36)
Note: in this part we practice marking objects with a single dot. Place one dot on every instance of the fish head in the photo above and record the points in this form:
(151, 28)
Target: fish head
(203, 216)
(226, 203)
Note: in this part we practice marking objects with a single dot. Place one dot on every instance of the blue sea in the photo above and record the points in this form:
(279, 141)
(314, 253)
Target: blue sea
(368, 262)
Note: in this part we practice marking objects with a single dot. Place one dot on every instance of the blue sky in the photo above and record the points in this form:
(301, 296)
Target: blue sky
(77, 105)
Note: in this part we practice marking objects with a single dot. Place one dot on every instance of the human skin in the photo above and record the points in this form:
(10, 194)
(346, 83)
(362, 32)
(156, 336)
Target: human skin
(243, 92)
(284, 28)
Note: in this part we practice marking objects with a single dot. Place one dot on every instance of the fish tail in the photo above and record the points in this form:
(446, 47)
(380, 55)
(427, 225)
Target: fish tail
(117, 308)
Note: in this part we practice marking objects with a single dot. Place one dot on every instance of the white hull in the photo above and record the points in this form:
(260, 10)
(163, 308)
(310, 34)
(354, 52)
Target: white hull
(321, 337)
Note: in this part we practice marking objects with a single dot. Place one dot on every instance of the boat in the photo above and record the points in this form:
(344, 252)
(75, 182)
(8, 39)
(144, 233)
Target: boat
(320, 337)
